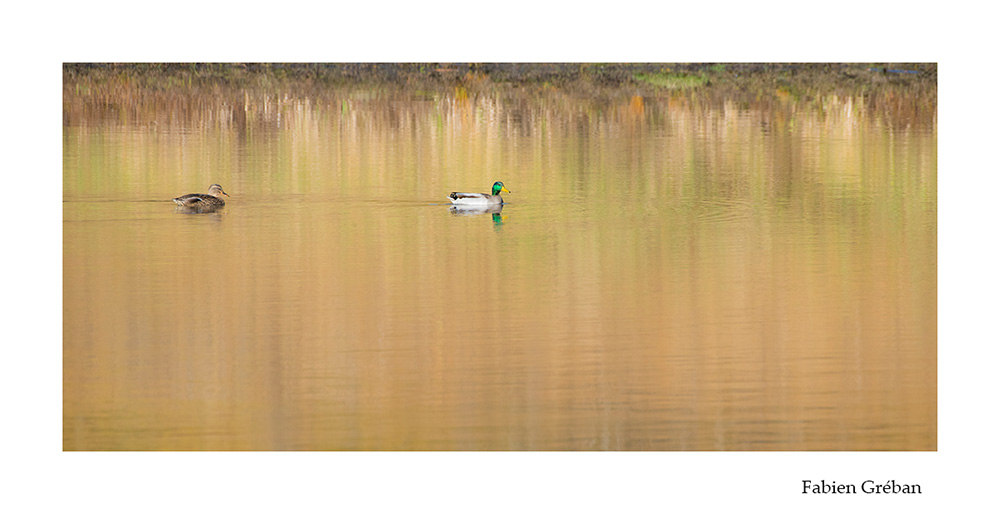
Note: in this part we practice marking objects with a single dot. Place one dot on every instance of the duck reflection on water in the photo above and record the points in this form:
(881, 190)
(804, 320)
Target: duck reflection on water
(475, 210)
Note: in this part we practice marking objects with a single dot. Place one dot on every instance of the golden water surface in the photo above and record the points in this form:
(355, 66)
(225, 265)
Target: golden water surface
(669, 272)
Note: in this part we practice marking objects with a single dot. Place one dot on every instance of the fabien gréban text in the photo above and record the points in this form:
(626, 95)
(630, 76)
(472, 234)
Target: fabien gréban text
(866, 487)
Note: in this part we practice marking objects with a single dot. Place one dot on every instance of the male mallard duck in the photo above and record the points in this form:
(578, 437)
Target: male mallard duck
(198, 201)
(480, 199)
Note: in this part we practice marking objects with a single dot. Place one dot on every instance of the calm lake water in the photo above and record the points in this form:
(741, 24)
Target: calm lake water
(670, 272)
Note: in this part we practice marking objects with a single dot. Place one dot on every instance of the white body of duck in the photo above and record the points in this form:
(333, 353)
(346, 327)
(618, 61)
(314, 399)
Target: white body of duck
(481, 200)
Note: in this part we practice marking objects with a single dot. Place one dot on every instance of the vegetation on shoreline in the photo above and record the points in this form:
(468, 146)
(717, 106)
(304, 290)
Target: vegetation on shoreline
(584, 78)
(901, 93)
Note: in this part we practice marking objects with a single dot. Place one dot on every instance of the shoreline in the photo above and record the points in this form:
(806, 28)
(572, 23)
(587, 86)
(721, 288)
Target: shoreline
(579, 78)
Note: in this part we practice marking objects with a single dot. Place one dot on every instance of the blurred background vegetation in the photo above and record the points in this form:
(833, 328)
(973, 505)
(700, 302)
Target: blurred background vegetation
(901, 93)
(579, 78)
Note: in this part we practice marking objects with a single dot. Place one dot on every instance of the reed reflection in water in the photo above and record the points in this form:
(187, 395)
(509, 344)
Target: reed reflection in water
(670, 274)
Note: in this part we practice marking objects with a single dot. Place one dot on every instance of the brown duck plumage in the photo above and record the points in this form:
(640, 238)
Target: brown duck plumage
(203, 202)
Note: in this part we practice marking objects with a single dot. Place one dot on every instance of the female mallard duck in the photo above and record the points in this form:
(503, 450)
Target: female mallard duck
(480, 199)
(202, 202)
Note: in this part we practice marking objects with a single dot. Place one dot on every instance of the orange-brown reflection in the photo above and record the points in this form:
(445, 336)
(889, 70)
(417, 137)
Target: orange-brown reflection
(671, 273)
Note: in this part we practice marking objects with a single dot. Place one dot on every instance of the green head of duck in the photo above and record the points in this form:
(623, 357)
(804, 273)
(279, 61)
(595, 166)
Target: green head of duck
(498, 188)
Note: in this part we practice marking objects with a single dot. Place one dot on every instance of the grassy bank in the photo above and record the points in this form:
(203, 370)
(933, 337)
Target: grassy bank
(580, 78)
(901, 94)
